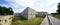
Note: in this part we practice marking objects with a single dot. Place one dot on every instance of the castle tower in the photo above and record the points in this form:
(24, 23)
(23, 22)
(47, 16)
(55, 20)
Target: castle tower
(29, 13)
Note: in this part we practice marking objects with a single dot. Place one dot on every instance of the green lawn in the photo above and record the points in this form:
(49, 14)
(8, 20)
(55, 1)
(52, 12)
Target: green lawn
(34, 21)
(56, 16)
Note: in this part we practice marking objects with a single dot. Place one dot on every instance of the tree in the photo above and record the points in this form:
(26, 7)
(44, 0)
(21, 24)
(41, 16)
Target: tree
(6, 11)
(58, 10)
(10, 10)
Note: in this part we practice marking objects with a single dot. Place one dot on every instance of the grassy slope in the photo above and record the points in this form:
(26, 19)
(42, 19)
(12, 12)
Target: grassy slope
(34, 21)
(56, 16)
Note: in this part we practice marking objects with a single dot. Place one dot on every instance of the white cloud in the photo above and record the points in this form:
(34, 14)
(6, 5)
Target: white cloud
(17, 4)
(39, 5)
(50, 6)
(25, 2)
(50, 2)
(52, 9)
(22, 2)
(5, 5)
(10, 1)
(59, 1)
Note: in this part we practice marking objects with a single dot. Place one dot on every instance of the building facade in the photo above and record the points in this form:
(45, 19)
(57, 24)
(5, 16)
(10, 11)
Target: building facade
(28, 13)
(42, 14)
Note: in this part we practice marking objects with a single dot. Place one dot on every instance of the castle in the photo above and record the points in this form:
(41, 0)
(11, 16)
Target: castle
(29, 13)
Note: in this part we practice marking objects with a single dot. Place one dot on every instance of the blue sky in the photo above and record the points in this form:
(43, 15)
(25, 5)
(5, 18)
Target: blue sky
(18, 6)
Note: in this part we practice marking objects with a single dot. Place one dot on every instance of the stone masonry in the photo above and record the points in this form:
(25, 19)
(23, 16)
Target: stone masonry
(6, 19)
(28, 13)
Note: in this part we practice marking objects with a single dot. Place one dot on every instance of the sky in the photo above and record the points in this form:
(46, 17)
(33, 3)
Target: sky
(18, 6)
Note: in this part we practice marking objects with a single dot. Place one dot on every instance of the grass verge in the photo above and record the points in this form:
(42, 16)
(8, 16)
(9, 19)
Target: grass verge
(56, 16)
(34, 21)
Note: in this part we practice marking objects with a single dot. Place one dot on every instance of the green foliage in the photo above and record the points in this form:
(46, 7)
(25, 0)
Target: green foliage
(6, 11)
(58, 8)
(56, 16)
(54, 13)
(34, 21)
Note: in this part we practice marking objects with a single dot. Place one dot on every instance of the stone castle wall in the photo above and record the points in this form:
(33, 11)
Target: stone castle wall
(6, 19)
(28, 13)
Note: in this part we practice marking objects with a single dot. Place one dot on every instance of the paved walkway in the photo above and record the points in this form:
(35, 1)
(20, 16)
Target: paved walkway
(49, 20)
(53, 20)
(45, 21)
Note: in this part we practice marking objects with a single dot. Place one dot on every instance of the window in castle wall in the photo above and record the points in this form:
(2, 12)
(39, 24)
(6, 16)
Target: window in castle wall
(31, 13)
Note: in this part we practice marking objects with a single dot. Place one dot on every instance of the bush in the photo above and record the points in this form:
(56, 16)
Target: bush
(54, 13)
(6, 11)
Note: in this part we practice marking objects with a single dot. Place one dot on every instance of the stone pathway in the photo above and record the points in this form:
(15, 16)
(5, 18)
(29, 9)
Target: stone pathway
(53, 20)
(45, 21)
(49, 20)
